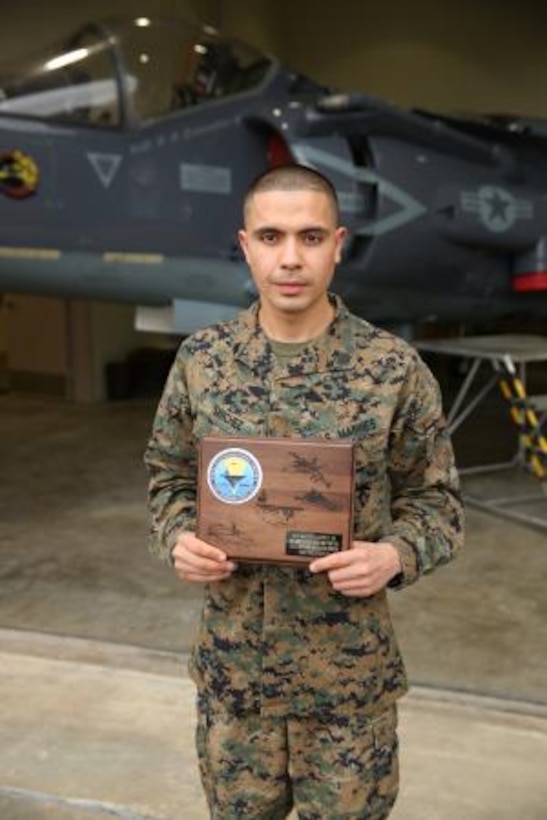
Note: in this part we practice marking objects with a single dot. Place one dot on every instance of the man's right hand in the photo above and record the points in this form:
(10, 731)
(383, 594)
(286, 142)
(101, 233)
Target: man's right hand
(198, 562)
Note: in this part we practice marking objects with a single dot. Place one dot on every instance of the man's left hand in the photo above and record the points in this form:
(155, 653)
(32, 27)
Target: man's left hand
(362, 570)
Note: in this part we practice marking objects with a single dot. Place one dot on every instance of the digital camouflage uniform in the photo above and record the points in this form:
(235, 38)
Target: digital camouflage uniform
(279, 641)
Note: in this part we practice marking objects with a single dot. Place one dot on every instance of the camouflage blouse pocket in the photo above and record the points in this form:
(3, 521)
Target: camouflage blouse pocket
(221, 420)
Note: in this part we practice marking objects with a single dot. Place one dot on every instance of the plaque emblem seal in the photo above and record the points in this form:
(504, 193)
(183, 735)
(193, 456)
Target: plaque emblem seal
(234, 476)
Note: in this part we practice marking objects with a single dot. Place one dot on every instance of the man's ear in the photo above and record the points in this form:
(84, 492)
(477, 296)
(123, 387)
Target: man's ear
(243, 242)
(341, 234)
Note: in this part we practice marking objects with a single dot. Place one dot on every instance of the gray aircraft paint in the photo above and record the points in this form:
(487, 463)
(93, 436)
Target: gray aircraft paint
(444, 214)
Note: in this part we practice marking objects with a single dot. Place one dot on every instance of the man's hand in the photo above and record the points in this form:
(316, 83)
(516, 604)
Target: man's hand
(196, 561)
(363, 570)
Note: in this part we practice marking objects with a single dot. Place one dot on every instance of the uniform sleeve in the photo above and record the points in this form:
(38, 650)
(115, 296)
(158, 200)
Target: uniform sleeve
(171, 461)
(426, 507)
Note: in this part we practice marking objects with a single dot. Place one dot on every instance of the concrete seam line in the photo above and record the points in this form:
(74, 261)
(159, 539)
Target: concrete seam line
(93, 806)
(89, 651)
(477, 700)
(85, 651)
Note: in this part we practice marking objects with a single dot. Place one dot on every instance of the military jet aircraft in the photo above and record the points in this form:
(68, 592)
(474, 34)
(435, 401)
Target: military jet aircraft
(125, 153)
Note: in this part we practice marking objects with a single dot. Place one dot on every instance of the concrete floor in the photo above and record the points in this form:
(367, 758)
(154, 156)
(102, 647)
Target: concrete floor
(97, 711)
(92, 738)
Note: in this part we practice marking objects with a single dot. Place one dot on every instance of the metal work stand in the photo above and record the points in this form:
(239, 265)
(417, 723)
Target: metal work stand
(508, 356)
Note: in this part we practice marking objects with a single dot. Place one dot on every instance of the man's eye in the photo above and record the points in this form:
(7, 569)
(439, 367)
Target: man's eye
(269, 237)
(313, 238)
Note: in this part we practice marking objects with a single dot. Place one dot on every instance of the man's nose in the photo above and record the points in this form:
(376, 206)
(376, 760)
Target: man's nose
(290, 258)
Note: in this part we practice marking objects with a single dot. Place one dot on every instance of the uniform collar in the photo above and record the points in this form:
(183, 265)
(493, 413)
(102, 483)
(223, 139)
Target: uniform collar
(334, 351)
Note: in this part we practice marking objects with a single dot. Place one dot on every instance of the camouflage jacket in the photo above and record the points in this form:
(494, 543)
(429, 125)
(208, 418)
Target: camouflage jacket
(277, 638)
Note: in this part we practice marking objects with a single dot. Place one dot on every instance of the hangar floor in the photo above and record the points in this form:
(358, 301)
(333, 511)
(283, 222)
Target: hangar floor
(86, 615)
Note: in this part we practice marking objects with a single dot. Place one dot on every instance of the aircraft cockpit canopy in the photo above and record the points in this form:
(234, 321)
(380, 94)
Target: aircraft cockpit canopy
(120, 73)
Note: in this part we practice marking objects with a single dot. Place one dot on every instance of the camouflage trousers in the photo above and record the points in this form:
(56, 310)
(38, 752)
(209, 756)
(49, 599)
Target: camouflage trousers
(262, 767)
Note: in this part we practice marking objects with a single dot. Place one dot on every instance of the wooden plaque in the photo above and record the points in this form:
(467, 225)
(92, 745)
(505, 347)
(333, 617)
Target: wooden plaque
(276, 500)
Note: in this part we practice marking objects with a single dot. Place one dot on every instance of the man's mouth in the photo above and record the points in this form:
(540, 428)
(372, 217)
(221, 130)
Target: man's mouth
(290, 287)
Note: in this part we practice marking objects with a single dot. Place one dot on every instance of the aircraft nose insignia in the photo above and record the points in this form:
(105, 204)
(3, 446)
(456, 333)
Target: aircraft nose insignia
(19, 175)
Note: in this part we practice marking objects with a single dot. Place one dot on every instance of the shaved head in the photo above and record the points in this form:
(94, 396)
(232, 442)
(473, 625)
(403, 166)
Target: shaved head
(292, 178)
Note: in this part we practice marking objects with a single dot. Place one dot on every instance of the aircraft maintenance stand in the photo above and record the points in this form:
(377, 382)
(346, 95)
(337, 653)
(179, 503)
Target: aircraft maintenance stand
(508, 355)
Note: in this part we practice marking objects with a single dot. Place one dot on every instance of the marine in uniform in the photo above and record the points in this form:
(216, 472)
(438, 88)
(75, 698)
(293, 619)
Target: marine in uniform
(298, 670)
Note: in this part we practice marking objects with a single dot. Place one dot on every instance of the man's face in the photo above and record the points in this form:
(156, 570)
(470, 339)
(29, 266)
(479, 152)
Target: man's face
(291, 243)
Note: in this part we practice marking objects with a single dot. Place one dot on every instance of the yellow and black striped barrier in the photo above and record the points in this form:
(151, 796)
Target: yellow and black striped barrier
(530, 422)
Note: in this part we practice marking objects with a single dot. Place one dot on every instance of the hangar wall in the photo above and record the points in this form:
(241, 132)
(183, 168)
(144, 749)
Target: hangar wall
(464, 56)
(484, 56)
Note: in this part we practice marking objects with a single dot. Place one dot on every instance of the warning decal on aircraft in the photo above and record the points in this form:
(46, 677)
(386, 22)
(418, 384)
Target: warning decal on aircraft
(105, 166)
